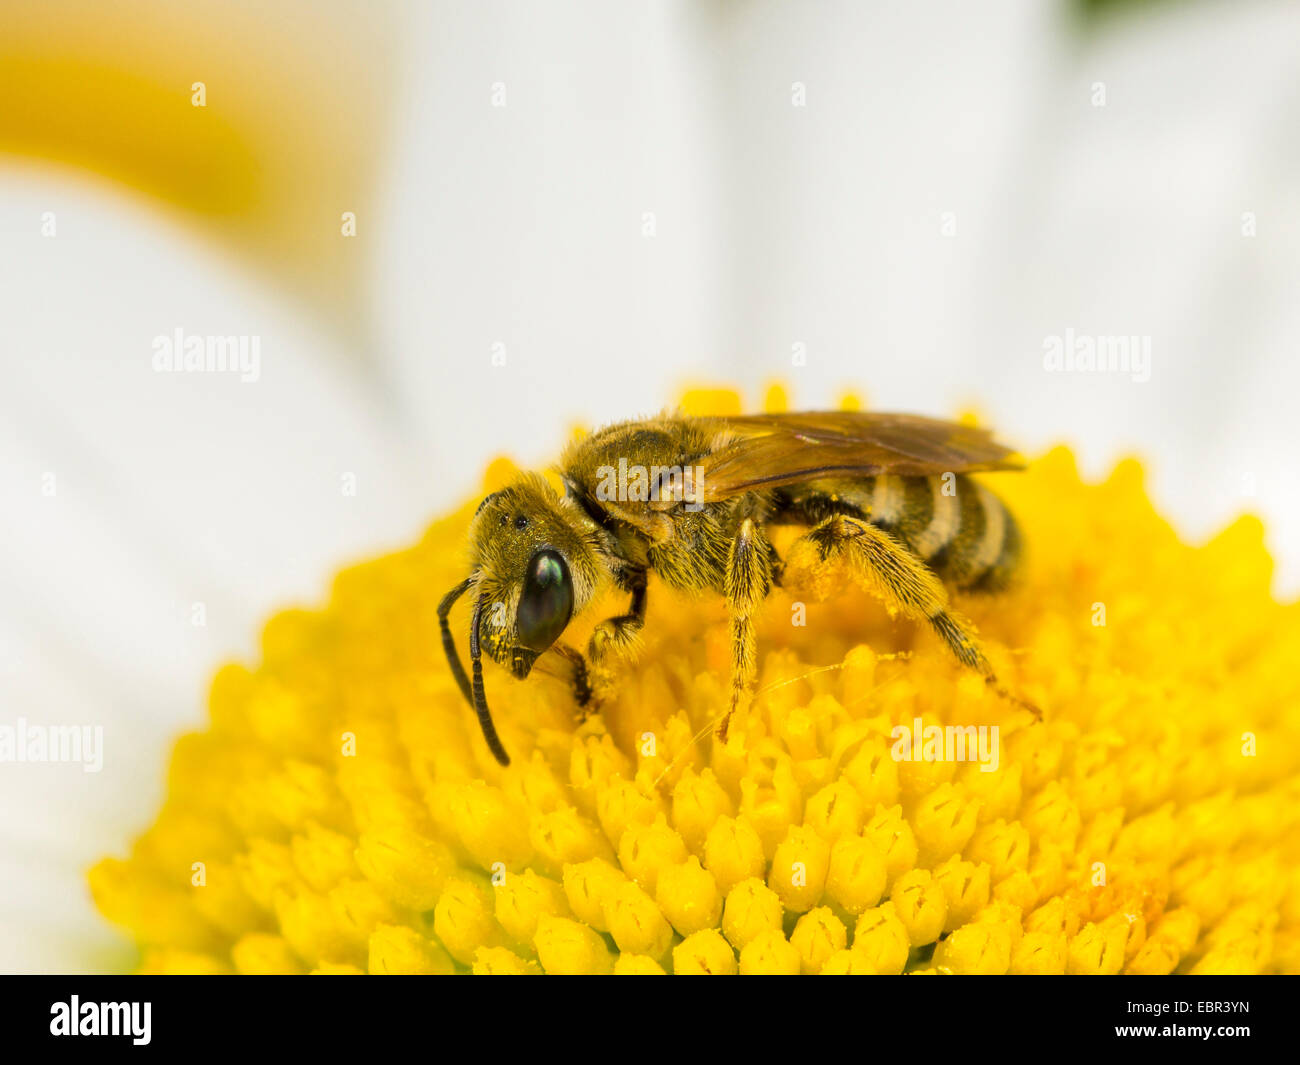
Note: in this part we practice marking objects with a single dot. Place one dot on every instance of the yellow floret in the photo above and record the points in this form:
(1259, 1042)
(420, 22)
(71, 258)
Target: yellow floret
(688, 895)
(799, 868)
(770, 954)
(855, 878)
(921, 905)
(567, 947)
(882, 940)
(705, 953)
(636, 923)
(733, 852)
(637, 965)
(817, 935)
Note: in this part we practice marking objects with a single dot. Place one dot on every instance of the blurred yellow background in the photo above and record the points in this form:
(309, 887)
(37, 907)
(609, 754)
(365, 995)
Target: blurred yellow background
(295, 127)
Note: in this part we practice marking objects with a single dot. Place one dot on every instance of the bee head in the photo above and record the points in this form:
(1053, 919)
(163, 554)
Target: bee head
(535, 569)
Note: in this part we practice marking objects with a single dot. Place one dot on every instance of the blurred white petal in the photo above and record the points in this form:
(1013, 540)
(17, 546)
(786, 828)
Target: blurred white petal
(170, 490)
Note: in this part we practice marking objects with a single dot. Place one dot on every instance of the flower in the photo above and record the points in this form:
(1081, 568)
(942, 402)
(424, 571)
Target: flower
(341, 813)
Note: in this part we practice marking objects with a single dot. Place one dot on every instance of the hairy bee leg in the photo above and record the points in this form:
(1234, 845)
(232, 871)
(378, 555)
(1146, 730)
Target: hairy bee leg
(886, 567)
(619, 633)
(748, 582)
(617, 637)
(893, 572)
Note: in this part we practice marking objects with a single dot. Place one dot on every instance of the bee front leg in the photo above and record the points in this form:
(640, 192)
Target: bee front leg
(579, 678)
(747, 583)
(617, 635)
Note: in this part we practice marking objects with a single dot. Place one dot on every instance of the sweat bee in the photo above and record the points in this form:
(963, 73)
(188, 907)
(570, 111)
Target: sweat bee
(692, 499)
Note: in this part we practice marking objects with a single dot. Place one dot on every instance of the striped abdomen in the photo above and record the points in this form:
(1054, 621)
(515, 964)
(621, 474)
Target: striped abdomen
(961, 529)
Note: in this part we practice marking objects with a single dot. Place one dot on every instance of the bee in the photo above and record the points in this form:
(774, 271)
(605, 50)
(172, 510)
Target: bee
(692, 499)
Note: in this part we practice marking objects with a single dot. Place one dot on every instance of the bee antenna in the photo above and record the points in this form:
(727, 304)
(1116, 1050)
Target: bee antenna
(479, 696)
(448, 643)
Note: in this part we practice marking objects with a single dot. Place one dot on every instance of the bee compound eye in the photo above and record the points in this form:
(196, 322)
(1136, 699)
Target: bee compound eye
(547, 600)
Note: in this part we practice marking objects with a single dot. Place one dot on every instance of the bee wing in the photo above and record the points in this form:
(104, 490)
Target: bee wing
(770, 450)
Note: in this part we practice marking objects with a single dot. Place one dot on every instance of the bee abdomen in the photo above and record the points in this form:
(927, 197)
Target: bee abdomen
(970, 538)
(1004, 567)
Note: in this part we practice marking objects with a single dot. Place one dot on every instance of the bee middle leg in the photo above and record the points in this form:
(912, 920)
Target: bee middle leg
(748, 582)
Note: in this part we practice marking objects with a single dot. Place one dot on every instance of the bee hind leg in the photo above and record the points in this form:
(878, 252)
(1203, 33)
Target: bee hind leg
(890, 570)
(747, 583)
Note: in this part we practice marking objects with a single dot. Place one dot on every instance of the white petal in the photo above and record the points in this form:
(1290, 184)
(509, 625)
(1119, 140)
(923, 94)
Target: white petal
(168, 490)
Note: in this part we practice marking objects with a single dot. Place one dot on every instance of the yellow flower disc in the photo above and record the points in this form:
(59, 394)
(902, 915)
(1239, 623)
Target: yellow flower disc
(340, 812)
